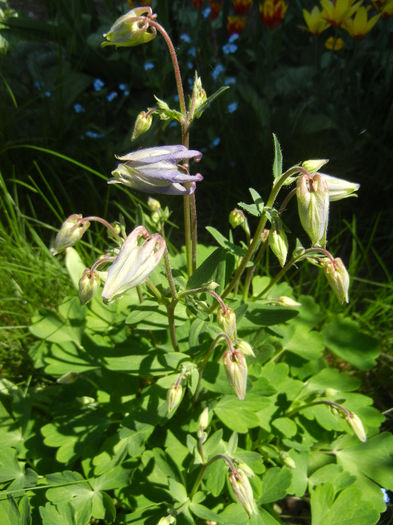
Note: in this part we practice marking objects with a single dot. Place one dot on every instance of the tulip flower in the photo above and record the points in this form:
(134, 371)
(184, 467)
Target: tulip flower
(134, 263)
(157, 170)
(337, 12)
(385, 7)
(315, 21)
(272, 12)
(131, 29)
(235, 25)
(242, 7)
(334, 43)
(360, 25)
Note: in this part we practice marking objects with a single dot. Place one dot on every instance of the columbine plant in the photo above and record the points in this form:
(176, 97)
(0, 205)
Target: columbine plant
(216, 316)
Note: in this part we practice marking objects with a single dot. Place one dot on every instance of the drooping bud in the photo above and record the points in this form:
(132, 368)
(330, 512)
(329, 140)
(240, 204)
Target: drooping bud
(167, 520)
(153, 204)
(243, 491)
(356, 424)
(70, 232)
(142, 124)
(68, 378)
(131, 29)
(236, 369)
(236, 218)
(278, 243)
(338, 278)
(288, 461)
(340, 188)
(203, 420)
(245, 347)
(265, 235)
(227, 321)
(287, 301)
(174, 396)
(312, 166)
(88, 285)
(313, 206)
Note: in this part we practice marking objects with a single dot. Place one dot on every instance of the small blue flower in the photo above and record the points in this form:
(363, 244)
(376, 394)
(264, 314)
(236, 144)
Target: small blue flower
(215, 142)
(233, 38)
(176, 98)
(78, 108)
(185, 38)
(232, 107)
(37, 85)
(206, 12)
(173, 124)
(386, 498)
(122, 86)
(47, 93)
(229, 48)
(112, 95)
(192, 51)
(190, 65)
(93, 134)
(229, 81)
(148, 65)
(190, 82)
(217, 71)
(98, 84)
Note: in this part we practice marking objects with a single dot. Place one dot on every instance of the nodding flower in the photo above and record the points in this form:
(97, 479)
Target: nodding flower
(158, 170)
(131, 29)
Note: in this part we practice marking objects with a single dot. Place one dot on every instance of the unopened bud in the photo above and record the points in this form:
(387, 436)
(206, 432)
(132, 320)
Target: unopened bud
(199, 96)
(88, 285)
(236, 218)
(339, 188)
(356, 424)
(131, 29)
(167, 520)
(312, 166)
(203, 420)
(313, 206)
(338, 278)
(278, 243)
(227, 321)
(174, 396)
(265, 235)
(236, 369)
(211, 285)
(142, 124)
(67, 378)
(243, 491)
(288, 461)
(153, 204)
(245, 347)
(287, 301)
(70, 232)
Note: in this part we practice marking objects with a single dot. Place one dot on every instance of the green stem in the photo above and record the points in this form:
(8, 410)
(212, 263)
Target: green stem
(172, 328)
(187, 233)
(203, 470)
(251, 270)
(322, 402)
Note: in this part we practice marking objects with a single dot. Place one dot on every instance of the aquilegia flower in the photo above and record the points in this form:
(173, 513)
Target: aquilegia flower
(131, 29)
(157, 170)
(134, 262)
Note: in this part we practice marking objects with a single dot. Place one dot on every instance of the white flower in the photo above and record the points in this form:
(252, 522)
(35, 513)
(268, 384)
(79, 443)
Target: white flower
(339, 188)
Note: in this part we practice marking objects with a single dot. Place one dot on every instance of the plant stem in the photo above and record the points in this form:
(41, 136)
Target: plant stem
(203, 470)
(322, 402)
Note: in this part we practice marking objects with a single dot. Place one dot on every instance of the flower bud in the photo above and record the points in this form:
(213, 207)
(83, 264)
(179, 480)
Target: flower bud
(265, 235)
(356, 424)
(339, 188)
(167, 520)
(142, 124)
(88, 285)
(198, 98)
(288, 461)
(153, 204)
(236, 369)
(245, 347)
(236, 218)
(338, 278)
(174, 396)
(243, 491)
(131, 29)
(278, 243)
(287, 301)
(227, 321)
(203, 420)
(312, 166)
(313, 206)
(68, 378)
(70, 232)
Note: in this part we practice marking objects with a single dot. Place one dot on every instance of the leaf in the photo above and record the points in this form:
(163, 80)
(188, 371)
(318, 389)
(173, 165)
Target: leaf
(257, 316)
(203, 512)
(347, 508)
(177, 491)
(286, 426)
(225, 243)
(275, 483)
(215, 477)
(217, 267)
(240, 415)
(257, 207)
(277, 163)
(74, 265)
(151, 316)
(344, 338)
(10, 468)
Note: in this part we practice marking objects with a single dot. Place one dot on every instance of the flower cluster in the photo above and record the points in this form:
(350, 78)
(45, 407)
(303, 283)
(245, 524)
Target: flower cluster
(348, 15)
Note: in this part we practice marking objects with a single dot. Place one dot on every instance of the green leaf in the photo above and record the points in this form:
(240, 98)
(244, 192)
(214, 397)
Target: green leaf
(10, 468)
(62, 514)
(286, 426)
(217, 267)
(215, 477)
(257, 316)
(177, 491)
(257, 207)
(203, 512)
(225, 243)
(275, 483)
(240, 415)
(277, 163)
(74, 265)
(344, 338)
(345, 509)
(151, 316)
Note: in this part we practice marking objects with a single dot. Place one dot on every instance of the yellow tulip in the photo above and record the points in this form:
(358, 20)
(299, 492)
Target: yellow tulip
(315, 21)
(360, 25)
(385, 7)
(334, 44)
(338, 12)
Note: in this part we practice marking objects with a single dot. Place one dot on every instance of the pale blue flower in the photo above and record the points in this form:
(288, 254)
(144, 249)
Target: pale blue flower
(78, 108)
(98, 84)
(229, 48)
(217, 71)
(232, 107)
(192, 51)
(215, 142)
(229, 81)
(112, 95)
(148, 66)
(185, 38)
(206, 12)
(157, 170)
(233, 38)
(94, 134)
